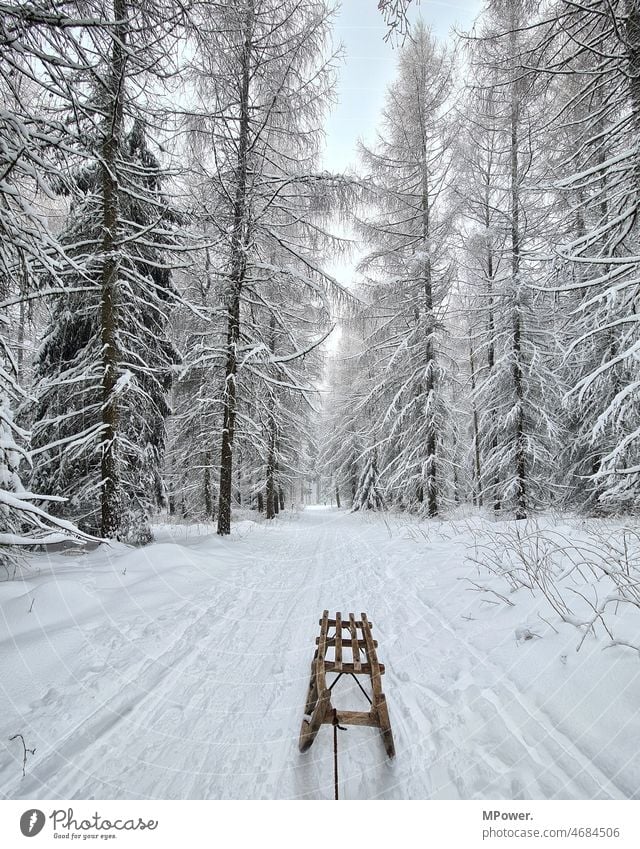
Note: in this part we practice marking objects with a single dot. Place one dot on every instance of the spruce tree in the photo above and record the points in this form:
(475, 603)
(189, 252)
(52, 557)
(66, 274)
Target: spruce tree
(69, 427)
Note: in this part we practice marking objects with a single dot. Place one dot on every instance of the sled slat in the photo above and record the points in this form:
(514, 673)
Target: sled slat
(355, 643)
(338, 646)
(331, 641)
(348, 668)
(321, 684)
(372, 657)
(331, 623)
(354, 717)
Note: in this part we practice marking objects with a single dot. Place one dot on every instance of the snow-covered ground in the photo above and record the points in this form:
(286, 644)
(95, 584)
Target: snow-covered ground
(180, 670)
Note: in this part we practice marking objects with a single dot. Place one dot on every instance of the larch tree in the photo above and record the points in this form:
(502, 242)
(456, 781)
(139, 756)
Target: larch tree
(482, 235)
(104, 368)
(408, 228)
(345, 433)
(263, 69)
(515, 394)
(597, 45)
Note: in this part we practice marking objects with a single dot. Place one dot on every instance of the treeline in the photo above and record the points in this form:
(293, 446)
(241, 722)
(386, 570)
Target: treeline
(496, 358)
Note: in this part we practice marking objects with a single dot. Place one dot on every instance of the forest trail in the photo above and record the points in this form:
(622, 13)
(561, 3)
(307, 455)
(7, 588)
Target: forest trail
(180, 671)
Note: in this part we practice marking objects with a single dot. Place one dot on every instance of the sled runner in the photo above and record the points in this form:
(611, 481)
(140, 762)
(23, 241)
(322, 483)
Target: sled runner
(353, 654)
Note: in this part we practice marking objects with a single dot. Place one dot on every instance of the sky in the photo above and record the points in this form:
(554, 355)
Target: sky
(369, 67)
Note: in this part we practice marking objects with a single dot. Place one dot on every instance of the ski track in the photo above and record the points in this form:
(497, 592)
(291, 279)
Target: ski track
(215, 712)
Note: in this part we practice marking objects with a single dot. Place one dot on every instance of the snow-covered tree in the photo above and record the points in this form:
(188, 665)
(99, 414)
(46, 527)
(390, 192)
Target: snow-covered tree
(263, 69)
(408, 229)
(40, 50)
(507, 215)
(23, 521)
(68, 431)
(345, 424)
(596, 44)
(368, 495)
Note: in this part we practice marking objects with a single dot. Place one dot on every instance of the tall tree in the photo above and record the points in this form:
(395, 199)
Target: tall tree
(515, 391)
(596, 44)
(111, 367)
(40, 50)
(264, 70)
(69, 428)
(411, 268)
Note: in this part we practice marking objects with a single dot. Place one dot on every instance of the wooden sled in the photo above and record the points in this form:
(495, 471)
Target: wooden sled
(363, 660)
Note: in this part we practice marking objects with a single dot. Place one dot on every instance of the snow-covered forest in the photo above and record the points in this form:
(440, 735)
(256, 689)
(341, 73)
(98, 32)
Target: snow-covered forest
(178, 351)
(168, 230)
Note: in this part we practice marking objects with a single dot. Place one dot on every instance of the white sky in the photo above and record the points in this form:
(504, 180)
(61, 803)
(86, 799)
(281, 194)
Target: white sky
(369, 67)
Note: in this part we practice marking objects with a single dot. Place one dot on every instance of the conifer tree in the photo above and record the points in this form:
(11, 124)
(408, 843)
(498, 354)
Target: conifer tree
(515, 388)
(264, 69)
(410, 264)
(68, 430)
(596, 45)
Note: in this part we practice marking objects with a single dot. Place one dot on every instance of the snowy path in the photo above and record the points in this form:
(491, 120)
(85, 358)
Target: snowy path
(183, 670)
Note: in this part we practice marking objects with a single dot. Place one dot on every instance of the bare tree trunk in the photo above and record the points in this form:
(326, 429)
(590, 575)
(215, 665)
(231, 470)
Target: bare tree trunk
(491, 351)
(237, 276)
(172, 490)
(110, 495)
(476, 430)
(354, 481)
(272, 498)
(516, 339)
(239, 489)
(229, 418)
(208, 495)
(431, 442)
(271, 459)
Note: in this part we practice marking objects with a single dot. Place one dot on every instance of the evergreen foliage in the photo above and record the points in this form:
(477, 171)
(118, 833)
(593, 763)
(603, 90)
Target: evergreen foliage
(68, 427)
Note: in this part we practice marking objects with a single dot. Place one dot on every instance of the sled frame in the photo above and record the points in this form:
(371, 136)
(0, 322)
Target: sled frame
(362, 659)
